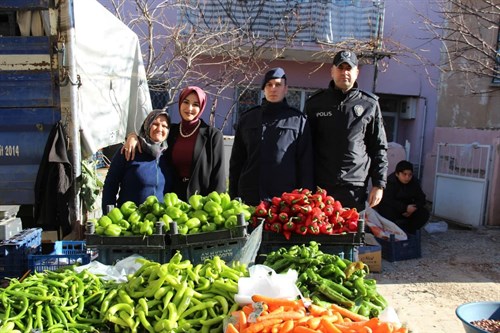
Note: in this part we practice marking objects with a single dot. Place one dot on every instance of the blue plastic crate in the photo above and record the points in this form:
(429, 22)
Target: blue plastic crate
(14, 252)
(65, 253)
(393, 250)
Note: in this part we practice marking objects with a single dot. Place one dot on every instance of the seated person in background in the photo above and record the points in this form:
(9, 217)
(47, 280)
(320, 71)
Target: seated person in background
(404, 201)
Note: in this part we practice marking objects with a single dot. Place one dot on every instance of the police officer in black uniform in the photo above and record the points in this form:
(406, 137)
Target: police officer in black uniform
(350, 145)
(272, 149)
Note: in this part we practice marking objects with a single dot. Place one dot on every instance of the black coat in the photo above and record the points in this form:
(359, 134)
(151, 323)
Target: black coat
(350, 145)
(397, 196)
(54, 186)
(272, 153)
(207, 170)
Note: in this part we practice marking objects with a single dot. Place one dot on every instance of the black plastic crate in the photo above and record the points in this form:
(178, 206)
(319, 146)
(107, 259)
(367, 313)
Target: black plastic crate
(156, 241)
(224, 243)
(393, 250)
(14, 252)
(109, 256)
(342, 244)
(226, 249)
(65, 253)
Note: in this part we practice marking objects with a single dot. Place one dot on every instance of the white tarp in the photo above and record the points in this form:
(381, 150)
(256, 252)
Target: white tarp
(113, 99)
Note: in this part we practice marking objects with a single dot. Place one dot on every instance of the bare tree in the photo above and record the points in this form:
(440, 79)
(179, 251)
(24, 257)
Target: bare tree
(212, 44)
(468, 30)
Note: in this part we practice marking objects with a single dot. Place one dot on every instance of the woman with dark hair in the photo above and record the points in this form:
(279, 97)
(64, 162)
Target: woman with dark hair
(148, 173)
(196, 150)
(404, 201)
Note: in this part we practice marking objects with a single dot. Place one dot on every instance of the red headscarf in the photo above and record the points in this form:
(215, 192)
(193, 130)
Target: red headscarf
(202, 97)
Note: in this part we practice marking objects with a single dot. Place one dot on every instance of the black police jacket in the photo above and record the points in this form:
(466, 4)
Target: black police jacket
(271, 154)
(350, 144)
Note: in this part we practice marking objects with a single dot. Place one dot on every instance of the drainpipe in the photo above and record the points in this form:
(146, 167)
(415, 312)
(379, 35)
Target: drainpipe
(422, 136)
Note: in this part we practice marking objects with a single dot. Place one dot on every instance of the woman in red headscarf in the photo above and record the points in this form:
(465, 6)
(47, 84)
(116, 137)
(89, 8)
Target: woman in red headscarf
(195, 149)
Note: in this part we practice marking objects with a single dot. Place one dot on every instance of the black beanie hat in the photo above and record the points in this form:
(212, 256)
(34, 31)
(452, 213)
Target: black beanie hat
(275, 73)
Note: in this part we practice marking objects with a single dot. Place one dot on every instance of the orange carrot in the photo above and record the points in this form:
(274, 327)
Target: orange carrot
(287, 326)
(231, 329)
(316, 310)
(348, 314)
(281, 315)
(242, 320)
(401, 330)
(271, 301)
(258, 327)
(328, 326)
(314, 323)
(303, 329)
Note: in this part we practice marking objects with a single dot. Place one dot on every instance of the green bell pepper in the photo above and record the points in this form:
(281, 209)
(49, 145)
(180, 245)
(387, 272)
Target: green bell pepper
(231, 222)
(113, 230)
(104, 221)
(193, 222)
(214, 196)
(196, 201)
(173, 212)
(225, 200)
(200, 214)
(135, 217)
(127, 208)
(150, 217)
(209, 227)
(219, 220)
(115, 215)
(212, 208)
(151, 200)
(170, 199)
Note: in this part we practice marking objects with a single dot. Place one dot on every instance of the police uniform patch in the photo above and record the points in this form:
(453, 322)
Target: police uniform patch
(358, 110)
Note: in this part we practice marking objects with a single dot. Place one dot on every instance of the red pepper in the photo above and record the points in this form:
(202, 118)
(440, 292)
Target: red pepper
(337, 206)
(329, 200)
(274, 209)
(286, 209)
(352, 226)
(350, 214)
(306, 191)
(261, 209)
(272, 218)
(276, 201)
(283, 217)
(322, 192)
(287, 234)
(300, 229)
(317, 214)
(328, 210)
(305, 209)
(326, 228)
(294, 198)
(267, 226)
(299, 218)
(289, 226)
(314, 228)
(276, 227)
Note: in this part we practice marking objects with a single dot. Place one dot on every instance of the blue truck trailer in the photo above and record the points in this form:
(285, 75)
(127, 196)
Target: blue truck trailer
(67, 62)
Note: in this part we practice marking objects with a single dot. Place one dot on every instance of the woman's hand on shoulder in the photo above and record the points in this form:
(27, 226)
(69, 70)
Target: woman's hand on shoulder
(130, 146)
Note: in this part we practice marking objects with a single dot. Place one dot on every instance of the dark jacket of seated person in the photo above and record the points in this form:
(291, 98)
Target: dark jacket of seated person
(404, 201)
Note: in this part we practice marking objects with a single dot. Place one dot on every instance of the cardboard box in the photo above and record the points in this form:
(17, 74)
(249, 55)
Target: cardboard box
(371, 253)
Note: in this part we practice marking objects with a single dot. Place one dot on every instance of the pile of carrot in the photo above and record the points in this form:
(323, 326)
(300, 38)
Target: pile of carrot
(275, 315)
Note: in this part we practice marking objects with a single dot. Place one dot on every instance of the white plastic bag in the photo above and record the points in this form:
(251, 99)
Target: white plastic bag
(382, 227)
(435, 227)
(263, 280)
(247, 254)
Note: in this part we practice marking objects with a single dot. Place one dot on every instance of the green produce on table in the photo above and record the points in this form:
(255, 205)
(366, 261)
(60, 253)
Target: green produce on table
(151, 200)
(127, 208)
(196, 201)
(176, 296)
(50, 301)
(328, 278)
(104, 221)
(136, 216)
(213, 208)
(115, 215)
(215, 197)
(170, 199)
(112, 230)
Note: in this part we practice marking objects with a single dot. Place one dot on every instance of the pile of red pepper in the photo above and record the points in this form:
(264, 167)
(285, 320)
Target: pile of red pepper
(303, 211)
